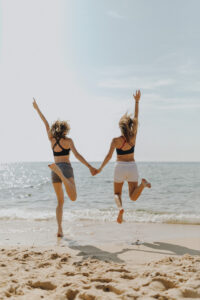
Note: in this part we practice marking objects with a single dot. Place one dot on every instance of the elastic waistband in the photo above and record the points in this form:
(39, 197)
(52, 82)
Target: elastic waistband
(125, 162)
(63, 163)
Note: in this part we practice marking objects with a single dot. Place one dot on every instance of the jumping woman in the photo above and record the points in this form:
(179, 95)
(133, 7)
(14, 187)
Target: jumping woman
(125, 167)
(61, 170)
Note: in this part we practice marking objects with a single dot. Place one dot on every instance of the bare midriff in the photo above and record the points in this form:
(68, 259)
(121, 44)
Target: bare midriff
(126, 157)
(64, 158)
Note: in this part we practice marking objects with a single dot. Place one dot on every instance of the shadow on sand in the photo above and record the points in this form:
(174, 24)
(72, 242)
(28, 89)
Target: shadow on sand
(93, 252)
(171, 248)
(89, 251)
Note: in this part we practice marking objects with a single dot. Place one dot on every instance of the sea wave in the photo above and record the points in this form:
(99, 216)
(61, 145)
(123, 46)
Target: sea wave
(102, 215)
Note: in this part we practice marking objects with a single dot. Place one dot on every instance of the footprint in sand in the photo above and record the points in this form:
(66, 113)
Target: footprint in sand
(71, 294)
(190, 293)
(54, 256)
(168, 284)
(43, 285)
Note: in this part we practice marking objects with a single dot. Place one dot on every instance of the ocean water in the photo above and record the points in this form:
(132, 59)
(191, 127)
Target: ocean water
(26, 193)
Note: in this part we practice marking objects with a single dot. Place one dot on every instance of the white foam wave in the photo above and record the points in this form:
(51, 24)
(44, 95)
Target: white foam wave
(21, 214)
(94, 215)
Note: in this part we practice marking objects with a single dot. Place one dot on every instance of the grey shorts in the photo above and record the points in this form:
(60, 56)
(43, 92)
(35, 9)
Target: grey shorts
(67, 170)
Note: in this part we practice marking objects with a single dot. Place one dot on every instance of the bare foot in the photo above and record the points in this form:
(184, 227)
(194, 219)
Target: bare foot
(60, 234)
(120, 216)
(146, 183)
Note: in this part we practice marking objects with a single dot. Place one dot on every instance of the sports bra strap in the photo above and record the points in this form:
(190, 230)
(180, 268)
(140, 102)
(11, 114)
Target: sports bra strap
(123, 142)
(58, 143)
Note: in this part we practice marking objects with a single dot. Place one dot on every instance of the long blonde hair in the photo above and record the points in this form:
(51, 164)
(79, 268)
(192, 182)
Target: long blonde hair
(128, 126)
(59, 129)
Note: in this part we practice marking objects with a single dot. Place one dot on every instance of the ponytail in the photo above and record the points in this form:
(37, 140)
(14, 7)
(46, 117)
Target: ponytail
(128, 127)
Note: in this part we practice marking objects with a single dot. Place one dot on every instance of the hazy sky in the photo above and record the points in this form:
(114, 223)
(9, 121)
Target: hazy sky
(82, 60)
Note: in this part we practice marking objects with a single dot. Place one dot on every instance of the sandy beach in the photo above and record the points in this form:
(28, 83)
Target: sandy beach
(155, 268)
(108, 92)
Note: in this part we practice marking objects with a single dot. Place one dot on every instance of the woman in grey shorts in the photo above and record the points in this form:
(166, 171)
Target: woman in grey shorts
(125, 167)
(62, 171)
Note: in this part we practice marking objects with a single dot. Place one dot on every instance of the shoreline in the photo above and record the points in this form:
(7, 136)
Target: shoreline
(43, 233)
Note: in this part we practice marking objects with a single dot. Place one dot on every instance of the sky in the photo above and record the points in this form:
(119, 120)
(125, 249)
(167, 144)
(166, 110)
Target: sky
(83, 59)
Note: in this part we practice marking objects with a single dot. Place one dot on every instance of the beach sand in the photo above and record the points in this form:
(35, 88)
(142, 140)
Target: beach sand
(157, 268)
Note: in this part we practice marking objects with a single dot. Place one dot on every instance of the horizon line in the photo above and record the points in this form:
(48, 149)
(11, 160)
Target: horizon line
(99, 161)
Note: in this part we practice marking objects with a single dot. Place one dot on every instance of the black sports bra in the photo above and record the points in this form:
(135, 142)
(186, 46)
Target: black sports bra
(60, 153)
(123, 152)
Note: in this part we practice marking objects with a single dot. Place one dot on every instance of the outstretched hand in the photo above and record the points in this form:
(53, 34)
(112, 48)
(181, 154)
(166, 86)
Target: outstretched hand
(137, 95)
(35, 104)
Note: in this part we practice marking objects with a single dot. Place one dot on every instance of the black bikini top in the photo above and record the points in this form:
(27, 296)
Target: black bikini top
(60, 153)
(123, 152)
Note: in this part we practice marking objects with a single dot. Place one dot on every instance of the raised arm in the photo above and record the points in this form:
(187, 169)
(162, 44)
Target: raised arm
(93, 171)
(108, 156)
(41, 116)
(137, 99)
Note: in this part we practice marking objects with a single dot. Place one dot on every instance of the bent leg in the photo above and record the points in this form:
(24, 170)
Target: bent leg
(118, 200)
(135, 190)
(68, 182)
(59, 209)
(71, 191)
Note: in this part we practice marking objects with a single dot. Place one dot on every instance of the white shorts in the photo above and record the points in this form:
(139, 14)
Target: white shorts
(125, 171)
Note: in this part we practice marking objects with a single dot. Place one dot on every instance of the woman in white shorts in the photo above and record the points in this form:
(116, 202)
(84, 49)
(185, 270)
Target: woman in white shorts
(125, 167)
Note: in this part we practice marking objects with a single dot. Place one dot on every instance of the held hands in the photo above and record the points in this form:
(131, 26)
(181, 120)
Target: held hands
(94, 171)
(98, 171)
(137, 95)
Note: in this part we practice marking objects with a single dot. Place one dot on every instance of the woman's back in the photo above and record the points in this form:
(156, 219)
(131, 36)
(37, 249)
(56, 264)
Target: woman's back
(61, 149)
(125, 149)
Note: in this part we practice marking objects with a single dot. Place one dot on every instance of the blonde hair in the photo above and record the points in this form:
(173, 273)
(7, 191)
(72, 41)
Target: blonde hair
(59, 129)
(128, 126)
